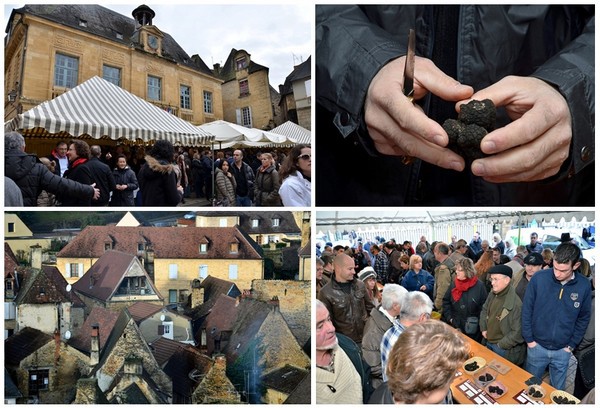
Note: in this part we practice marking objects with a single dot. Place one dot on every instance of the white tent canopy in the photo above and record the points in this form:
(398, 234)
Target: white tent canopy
(98, 108)
(293, 132)
(232, 135)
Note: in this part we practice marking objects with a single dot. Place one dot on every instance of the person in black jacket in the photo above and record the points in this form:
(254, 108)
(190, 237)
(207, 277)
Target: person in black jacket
(157, 178)
(534, 62)
(32, 176)
(79, 170)
(102, 176)
(126, 183)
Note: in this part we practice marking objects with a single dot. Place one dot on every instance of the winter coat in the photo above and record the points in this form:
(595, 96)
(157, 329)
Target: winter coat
(104, 179)
(158, 183)
(554, 43)
(81, 173)
(124, 198)
(225, 189)
(556, 315)
(469, 305)
(266, 188)
(244, 178)
(375, 327)
(32, 177)
(348, 311)
(510, 325)
(295, 191)
(413, 281)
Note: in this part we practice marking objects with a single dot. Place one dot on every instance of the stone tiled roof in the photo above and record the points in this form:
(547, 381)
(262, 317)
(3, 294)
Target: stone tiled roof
(251, 315)
(22, 344)
(301, 71)
(47, 286)
(213, 287)
(163, 349)
(285, 379)
(306, 250)
(167, 242)
(106, 23)
(220, 319)
(227, 72)
(10, 388)
(10, 261)
(300, 394)
(103, 278)
(105, 319)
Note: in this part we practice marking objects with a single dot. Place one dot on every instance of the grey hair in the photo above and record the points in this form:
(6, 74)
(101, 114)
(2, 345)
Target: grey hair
(14, 140)
(392, 294)
(415, 305)
(320, 261)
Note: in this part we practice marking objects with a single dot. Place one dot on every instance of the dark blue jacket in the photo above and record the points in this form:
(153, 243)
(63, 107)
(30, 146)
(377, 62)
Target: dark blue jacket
(412, 281)
(556, 315)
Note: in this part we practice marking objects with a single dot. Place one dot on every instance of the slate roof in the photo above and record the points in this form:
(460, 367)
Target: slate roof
(184, 362)
(140, 311)
(106, 23)
(22, 344)
(285, 379)
(300, 394)
(103, 278)
(10, 261)
(167, 242)
(10, 388)
(106, 320)
(301, 71)
(227, 71)
(250, 317)
(45, 286)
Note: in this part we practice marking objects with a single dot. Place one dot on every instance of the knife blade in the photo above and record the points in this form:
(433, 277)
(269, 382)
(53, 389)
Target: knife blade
(409, 67)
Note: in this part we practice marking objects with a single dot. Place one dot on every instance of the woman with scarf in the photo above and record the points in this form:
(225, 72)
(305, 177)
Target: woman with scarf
(79, 153)
(266, 185)
(418, 278)
(464, 300)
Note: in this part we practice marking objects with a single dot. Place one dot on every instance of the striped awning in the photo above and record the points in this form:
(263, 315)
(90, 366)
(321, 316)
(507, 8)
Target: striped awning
(98, 108)
(294, 132)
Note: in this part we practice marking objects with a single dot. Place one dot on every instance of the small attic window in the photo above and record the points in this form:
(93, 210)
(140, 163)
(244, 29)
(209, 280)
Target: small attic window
(119, 36)
(255, 223)
(203, 248)
(83, 23)
(107, 246)
(234, 247)
(275, 222)
(241, 63)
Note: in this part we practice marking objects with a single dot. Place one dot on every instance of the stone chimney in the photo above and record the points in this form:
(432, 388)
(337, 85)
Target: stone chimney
(197, 297)
(95, 347)
(217, 68)
(36, 256)
(220, 362)
(274, 303)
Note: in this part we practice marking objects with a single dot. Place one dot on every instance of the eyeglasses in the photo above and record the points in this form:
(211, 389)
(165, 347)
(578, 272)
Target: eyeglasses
(305, 156)
(497, 279)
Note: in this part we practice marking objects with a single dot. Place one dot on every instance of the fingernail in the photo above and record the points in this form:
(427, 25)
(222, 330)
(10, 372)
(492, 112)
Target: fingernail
(457, 166)
(478, 169)
(488, 146)
(439, 140)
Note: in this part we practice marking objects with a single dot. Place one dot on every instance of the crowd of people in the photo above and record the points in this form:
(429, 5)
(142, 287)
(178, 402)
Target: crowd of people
(77, 174)
(533, 307)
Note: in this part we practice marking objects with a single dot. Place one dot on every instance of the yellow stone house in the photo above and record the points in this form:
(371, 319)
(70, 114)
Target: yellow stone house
(173, 257)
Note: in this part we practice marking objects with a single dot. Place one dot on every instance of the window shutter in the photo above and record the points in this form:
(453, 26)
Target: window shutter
(238, 116)
(80, 270)
(161, 329)
(250, 111)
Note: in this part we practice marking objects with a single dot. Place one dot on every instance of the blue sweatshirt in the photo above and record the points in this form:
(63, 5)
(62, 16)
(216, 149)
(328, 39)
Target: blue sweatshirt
(556, 315)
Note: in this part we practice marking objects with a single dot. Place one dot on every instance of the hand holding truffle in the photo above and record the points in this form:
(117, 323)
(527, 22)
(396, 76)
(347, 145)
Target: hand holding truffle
(400, 128)
(536, 143)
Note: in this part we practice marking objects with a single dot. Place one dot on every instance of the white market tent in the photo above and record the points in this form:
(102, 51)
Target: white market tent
(98, 108)
(441, 225)
(294, 132)
(229, 135)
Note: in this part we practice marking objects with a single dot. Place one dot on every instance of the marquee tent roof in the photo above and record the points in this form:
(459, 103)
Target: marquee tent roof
(231, 135)
(98, 108)
(293, 132)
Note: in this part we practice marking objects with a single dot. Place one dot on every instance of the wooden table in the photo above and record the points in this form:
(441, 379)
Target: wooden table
(513, 380)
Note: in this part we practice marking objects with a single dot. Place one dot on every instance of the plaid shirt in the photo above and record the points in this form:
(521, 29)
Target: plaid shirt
(381, 266)
(387, 342)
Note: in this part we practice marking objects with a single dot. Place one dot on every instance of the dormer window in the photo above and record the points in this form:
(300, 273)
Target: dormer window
(275, 222)
(140, 246)
(255, 223)
(83, 23)
(241, 63)
(107, 246)
(234, 247)
(119, 36)
(203, 248)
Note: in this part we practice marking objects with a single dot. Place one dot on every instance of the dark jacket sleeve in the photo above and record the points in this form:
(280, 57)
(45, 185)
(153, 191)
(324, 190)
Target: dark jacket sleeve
(572, 72)
(173, 197)
(60, 185)
(352, 50)
(131, 180)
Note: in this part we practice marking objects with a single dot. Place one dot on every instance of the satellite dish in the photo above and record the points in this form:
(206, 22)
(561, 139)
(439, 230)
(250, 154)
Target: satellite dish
(69, 287)
(162, 317)
(68, 333)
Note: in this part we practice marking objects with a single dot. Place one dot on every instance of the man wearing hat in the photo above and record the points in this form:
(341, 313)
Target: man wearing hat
(500, 319)
(533, 263)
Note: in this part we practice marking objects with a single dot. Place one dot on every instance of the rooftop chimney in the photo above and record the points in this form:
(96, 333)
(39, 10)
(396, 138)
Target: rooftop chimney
(274, 302)
(95, 349)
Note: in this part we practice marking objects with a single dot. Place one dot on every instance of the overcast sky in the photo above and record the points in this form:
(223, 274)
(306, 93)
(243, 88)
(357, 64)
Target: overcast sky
(276, 36)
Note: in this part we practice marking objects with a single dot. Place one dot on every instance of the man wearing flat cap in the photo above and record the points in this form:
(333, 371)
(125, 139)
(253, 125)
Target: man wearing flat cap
(533, 263)
(500, 319)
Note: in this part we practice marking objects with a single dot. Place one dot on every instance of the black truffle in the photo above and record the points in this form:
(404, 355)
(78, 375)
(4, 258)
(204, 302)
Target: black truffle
(481, 113)
(472, 366)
